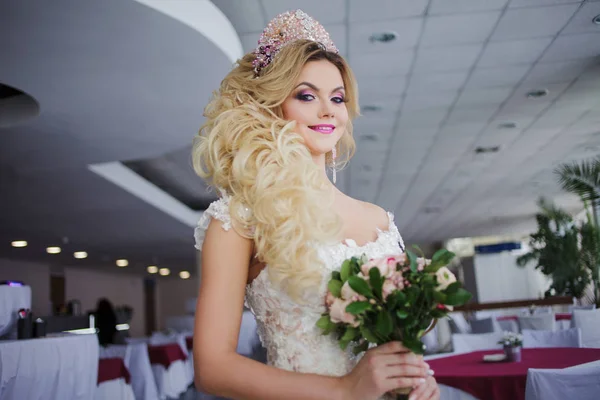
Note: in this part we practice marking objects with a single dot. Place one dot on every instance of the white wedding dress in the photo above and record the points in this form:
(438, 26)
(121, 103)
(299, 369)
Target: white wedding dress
(287, 329)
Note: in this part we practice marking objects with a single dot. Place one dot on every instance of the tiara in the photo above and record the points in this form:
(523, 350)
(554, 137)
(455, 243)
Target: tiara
(285, 29)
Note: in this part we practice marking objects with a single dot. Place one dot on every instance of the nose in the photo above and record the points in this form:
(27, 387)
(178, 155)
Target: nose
(326, 110)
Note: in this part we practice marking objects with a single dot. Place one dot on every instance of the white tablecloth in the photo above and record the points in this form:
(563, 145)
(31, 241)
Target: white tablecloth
(12, 299)
(64, 368)
(116, 389)
(135, 356)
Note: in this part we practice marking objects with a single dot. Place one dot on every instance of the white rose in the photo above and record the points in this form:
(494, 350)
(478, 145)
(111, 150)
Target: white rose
(444, 278)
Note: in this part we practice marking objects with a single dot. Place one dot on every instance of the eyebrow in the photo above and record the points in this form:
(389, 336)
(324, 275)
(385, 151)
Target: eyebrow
(313, 87)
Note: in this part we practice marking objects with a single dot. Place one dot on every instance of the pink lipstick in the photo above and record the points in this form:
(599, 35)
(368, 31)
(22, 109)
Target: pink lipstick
(325, 129)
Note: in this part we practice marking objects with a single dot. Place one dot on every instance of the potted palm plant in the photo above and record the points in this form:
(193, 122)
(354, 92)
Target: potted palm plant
(583, 179)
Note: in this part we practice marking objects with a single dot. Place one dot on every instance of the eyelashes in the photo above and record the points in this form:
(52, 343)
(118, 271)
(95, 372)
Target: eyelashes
(307, 97)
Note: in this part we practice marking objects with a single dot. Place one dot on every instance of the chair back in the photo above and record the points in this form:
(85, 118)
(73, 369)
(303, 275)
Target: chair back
(564, 338)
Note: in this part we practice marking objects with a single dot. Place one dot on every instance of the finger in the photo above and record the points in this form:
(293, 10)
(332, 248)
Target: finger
(405, 370)
(425, 391)
(391, 347)
(402, 382)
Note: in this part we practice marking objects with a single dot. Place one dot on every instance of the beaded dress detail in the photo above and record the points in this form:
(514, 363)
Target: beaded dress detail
(287, 329)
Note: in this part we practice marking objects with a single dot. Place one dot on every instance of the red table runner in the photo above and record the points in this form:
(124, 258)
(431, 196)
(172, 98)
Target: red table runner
(504, 380)
(165, 354)
(557, 317)
(112, 368)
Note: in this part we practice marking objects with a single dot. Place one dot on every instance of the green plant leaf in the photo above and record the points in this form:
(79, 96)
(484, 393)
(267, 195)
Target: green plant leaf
(452, 288)
(418, 249)
(345, 271)
(350, 334)
(459, 298)
(439, 297)
(336, 275)
(384, 323)
(368, 334)
(402, 314)
(335, 287)
(360, 286)
(358, 307)
(325, 324)
(413, 260)
(376, 282)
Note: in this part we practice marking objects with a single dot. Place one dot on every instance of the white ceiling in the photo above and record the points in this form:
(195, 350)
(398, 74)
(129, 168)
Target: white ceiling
(125, 82)
(456, 71)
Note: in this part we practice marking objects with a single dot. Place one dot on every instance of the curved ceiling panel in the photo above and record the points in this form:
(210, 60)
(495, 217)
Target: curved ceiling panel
(114, 80)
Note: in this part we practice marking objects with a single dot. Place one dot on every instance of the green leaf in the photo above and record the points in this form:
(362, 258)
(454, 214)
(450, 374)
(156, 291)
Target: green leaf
(364, 346)
(413, 344)
(418, 249)
(360, 286)
(452, 288)
(368, 334)
(358, 307)
(384, 323)
(437, 313)
(336, 275)
(345, 271)
(459, 298)
(350, 334)
(413, 260)
(439, 297)
(401, 314)
(344, 344)
(325, 324)
(335, 287)
(376, 282)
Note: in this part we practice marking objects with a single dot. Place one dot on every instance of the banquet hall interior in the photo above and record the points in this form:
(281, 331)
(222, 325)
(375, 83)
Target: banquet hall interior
(479, 130)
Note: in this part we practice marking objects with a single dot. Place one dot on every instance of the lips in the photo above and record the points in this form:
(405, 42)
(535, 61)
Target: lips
(324, 128)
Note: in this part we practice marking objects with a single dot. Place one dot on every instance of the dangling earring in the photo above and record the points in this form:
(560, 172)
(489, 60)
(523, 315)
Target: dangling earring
(333, 156)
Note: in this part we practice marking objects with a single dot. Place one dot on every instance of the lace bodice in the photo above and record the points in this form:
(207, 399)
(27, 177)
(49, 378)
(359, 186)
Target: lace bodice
(287, 329)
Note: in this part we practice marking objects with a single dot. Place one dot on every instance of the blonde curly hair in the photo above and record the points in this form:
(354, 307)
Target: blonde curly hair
(248, 150)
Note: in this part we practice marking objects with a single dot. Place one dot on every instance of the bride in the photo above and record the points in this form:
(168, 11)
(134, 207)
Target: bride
(279, 120)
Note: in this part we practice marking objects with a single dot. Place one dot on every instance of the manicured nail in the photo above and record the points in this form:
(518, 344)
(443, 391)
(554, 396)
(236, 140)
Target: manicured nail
(430, 372)
(421, 381)
(412, 398)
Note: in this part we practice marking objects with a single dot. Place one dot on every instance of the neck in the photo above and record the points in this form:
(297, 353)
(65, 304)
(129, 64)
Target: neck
(320, 161)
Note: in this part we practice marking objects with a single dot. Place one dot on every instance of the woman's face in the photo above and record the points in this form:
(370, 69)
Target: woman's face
(318, 105)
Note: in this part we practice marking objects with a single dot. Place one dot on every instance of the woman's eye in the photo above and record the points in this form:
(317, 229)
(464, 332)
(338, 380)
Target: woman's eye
(305, 97)
(338, 100)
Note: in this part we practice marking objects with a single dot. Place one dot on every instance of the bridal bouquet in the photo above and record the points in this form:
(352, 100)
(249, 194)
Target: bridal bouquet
(395, 298)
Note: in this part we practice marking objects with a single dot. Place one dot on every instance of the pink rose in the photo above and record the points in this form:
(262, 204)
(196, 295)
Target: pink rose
(329, 299)
(338, 313)
(349, 294)
(422, 263)
(386, 265)
(388, 288)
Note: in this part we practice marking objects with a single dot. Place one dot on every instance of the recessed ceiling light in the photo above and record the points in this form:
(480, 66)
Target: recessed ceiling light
(19, 243)
(507, 125)
(184, 275)
(164, 271)
(536, 94)
(122, 263)
(152, 269)
(596, 19)
(80, 254)
(53, 250)
(371, 108)
(383, 37)
(489, 149)
(369, 137)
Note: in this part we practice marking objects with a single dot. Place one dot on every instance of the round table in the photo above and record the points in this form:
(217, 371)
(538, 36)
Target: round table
(504, 380)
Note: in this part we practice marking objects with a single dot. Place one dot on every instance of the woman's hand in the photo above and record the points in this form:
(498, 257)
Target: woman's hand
(427, 391)
(383, 369)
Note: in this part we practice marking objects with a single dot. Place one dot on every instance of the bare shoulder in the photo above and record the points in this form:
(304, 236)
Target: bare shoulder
(371, 213)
